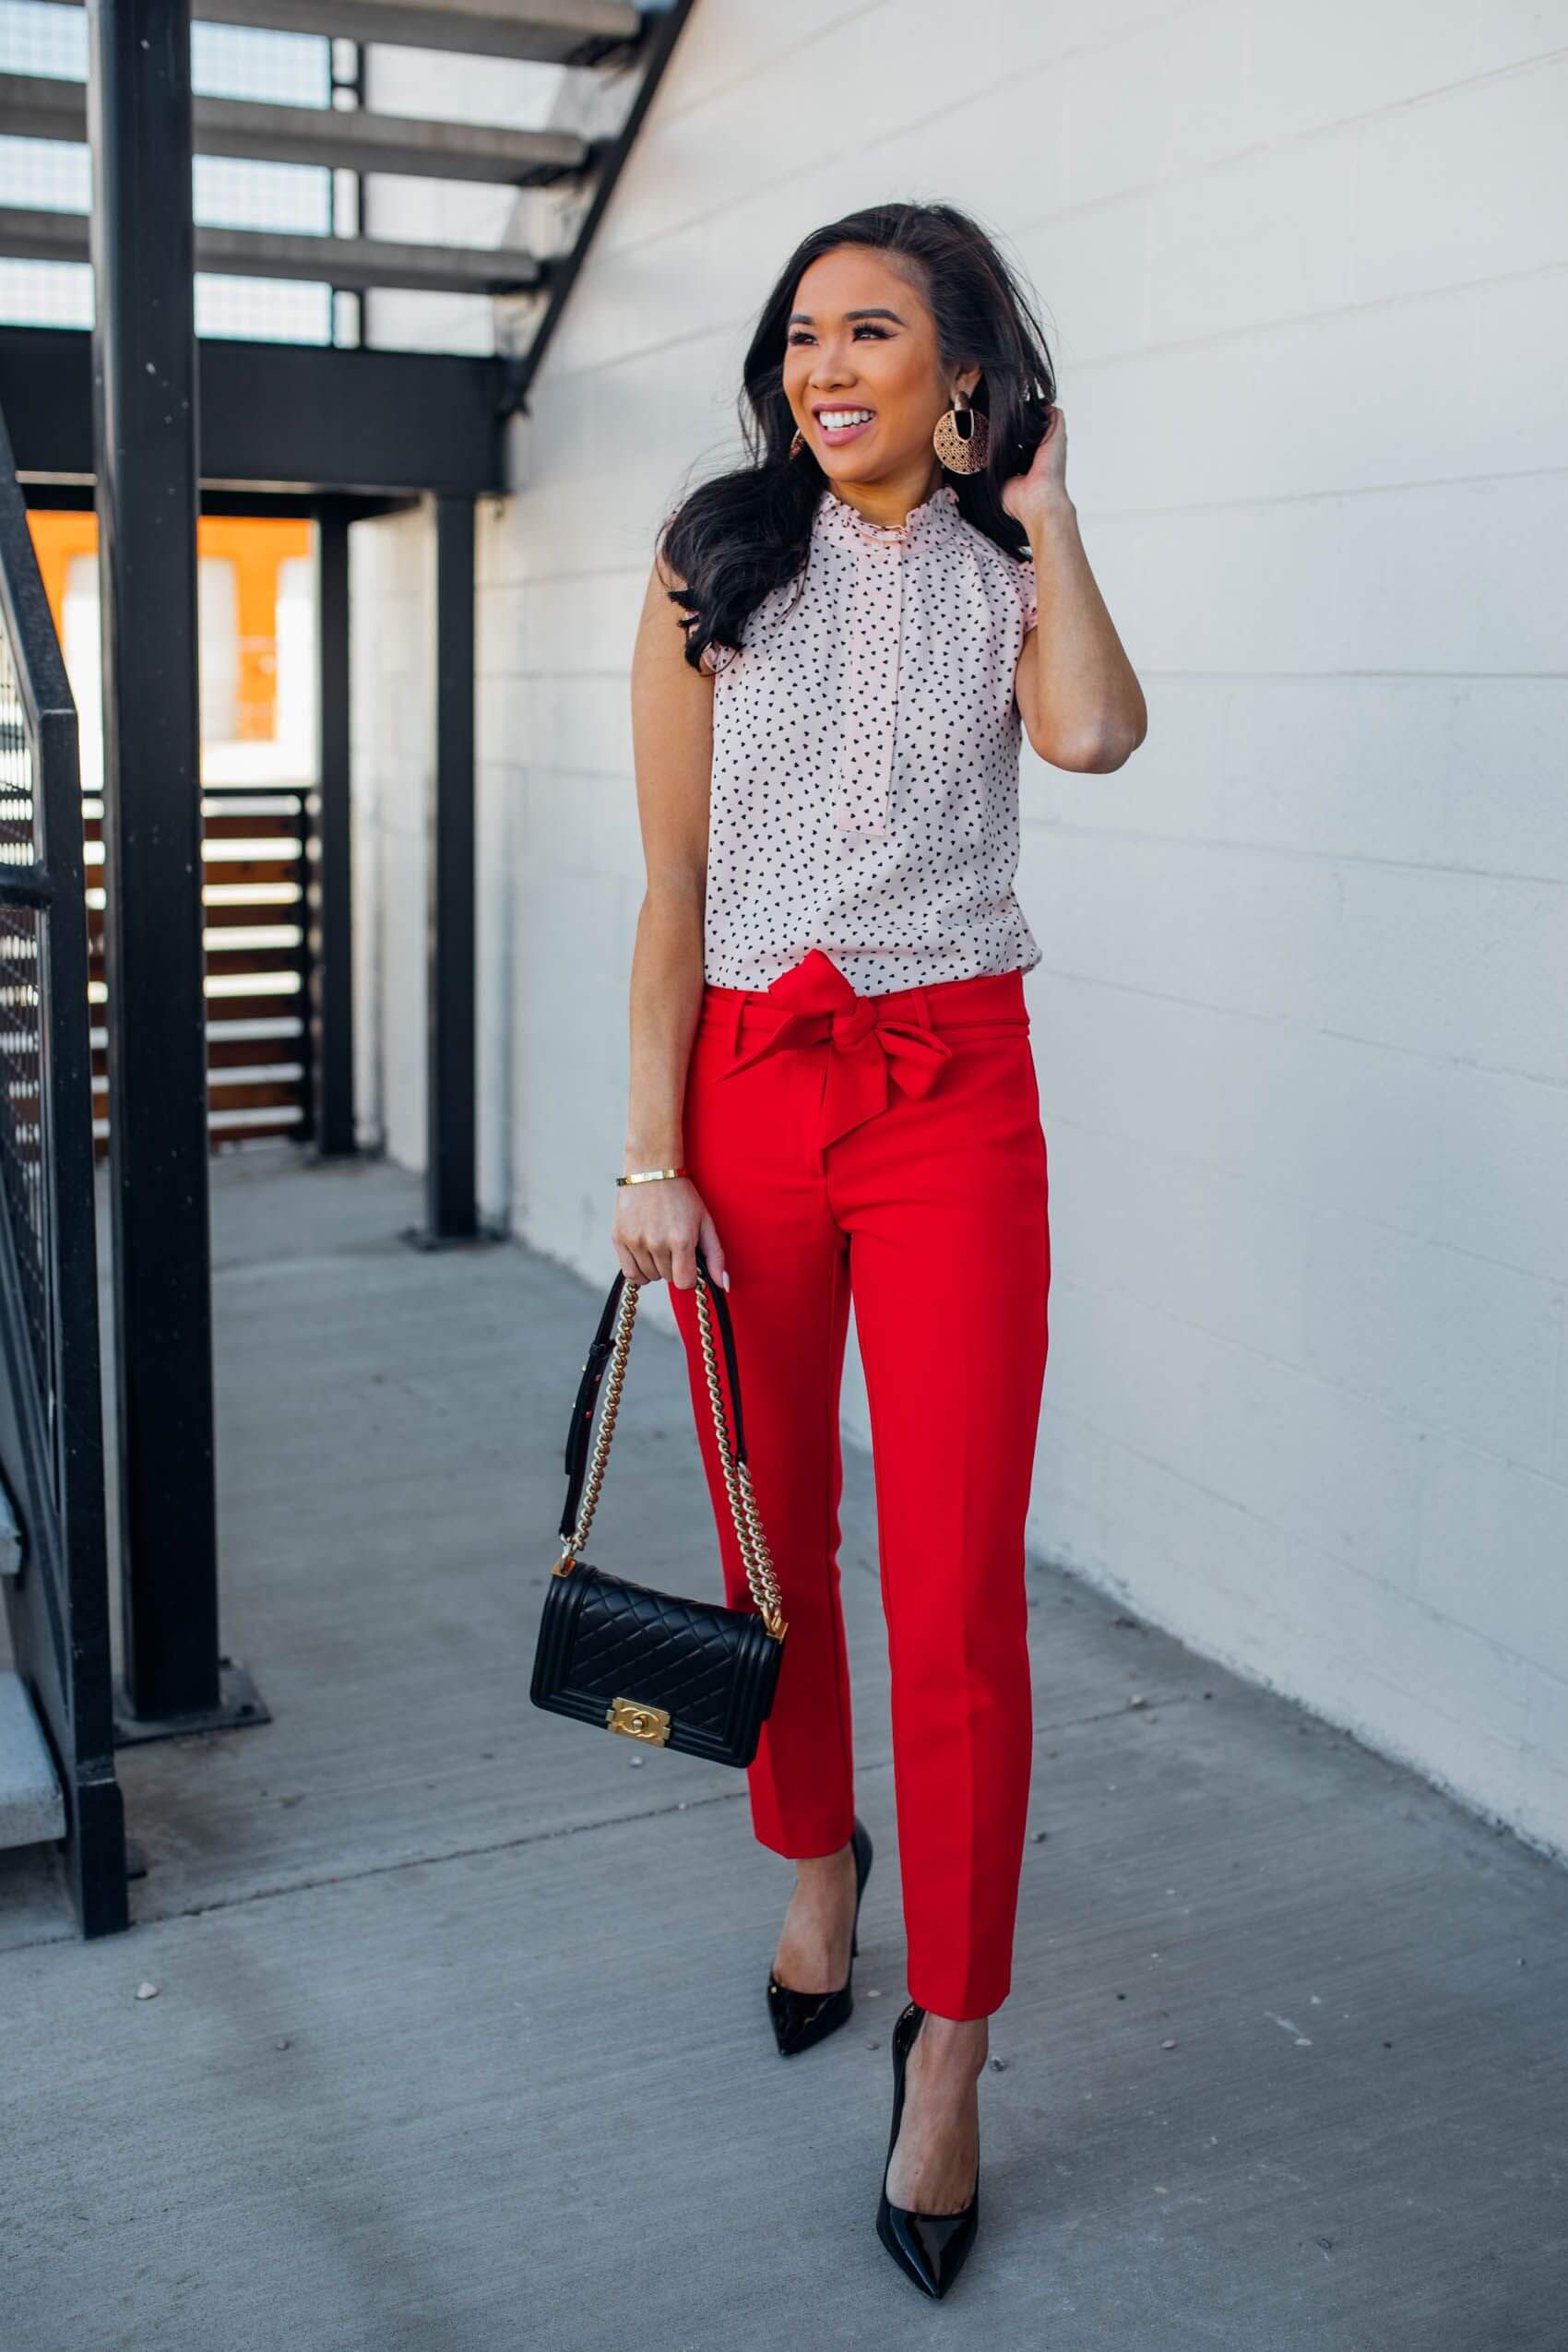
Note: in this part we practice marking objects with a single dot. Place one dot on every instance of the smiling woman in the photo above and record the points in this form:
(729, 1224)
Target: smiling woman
(897, 347)
(910, 306)
(832, 1083)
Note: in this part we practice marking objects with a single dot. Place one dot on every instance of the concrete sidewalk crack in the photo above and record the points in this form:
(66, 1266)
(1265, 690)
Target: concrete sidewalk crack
(280, 1888)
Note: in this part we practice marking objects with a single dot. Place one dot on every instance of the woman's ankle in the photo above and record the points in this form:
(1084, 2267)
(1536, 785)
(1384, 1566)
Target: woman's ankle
(818, 1923)
(825, 1871)
(955, 2045)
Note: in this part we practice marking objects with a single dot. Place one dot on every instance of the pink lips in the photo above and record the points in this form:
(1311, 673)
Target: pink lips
(845, 432)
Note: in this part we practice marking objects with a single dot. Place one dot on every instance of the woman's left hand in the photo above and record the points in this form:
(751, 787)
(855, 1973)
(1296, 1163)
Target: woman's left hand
(1029, 497)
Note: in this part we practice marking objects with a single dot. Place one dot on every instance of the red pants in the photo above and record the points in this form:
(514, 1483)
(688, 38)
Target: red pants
(889, 1148)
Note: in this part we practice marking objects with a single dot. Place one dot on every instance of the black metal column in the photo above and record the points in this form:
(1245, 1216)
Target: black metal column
(144, 427)
(451, 1206)
(330, 911)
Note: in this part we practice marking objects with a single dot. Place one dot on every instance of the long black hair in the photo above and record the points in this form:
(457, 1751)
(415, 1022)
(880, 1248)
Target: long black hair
(735, 538)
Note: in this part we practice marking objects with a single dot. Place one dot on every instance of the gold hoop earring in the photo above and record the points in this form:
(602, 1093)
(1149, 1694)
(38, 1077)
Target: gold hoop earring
(962, 452)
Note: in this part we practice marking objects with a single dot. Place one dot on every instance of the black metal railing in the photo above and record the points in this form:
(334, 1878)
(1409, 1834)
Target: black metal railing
(51, 1414)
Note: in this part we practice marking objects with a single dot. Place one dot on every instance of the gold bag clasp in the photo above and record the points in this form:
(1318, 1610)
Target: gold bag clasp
(638, 1720)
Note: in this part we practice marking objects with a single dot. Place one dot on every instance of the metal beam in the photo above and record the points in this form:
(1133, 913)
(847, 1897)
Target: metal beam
(44, 107)
(330, 887)
(144, 353)
(280, 416)
(451, 1201)
(552, 32)
(26, 235)
(275, 506)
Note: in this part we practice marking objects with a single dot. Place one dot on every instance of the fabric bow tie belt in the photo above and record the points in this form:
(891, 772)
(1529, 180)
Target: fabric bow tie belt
(868, 1048)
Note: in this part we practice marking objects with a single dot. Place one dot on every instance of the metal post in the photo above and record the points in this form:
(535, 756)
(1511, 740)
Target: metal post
(330, 911)
(451, 1206)
(144, 427)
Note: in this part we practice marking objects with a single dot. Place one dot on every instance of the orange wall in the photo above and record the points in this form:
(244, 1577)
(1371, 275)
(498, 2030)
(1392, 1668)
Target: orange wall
(257, 547)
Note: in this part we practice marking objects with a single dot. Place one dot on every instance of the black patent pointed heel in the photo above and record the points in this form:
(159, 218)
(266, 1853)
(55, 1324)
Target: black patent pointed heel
(930, 2248)
(801, 2019)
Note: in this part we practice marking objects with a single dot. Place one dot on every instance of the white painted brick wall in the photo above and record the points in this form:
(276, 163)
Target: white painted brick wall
(1301, 1023)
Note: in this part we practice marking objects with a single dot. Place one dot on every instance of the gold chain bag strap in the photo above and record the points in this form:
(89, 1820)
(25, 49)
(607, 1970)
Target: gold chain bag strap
(695, 1675)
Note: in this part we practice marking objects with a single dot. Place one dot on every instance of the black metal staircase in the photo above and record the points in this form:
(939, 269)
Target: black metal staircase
(55, 1706)
(621, 50)
(138, 420)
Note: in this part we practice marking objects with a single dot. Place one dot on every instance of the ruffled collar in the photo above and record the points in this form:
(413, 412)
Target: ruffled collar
(934, 518)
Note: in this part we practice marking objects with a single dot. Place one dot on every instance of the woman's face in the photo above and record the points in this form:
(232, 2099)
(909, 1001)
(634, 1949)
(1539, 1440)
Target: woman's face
(861, 368)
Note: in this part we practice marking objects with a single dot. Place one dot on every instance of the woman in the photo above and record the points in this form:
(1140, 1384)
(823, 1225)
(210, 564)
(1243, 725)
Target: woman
(833, 1089)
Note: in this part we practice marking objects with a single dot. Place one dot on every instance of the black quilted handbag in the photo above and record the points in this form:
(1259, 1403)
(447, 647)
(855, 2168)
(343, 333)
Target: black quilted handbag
(690, 1674)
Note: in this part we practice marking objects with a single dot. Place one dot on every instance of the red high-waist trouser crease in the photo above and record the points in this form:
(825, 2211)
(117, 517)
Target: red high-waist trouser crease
(886, 1150)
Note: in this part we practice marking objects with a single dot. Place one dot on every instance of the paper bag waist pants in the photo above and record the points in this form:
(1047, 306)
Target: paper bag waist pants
(888, 1149)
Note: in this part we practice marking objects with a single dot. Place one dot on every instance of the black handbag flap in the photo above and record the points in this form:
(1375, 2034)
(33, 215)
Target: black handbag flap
(711, 1668)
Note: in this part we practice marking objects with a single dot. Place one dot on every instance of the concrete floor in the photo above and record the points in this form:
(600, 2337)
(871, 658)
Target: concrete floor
(458, 2043)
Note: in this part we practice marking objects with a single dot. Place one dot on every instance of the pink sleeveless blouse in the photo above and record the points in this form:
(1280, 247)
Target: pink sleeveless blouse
(865, 794)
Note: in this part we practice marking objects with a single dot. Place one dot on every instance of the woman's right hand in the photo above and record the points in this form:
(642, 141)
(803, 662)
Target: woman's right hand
(657, 1229)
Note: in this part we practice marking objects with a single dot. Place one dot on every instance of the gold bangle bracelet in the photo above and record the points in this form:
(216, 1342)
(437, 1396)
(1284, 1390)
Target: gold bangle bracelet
(645, 1175)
